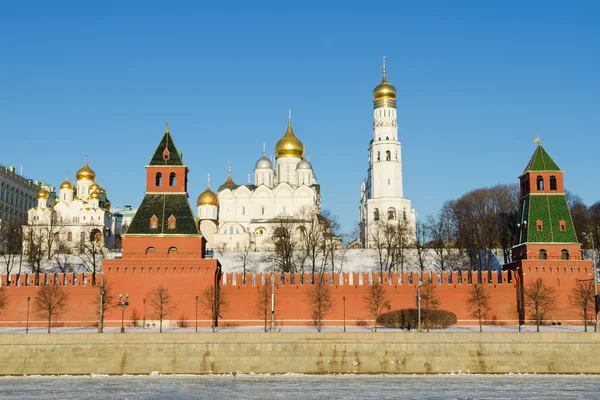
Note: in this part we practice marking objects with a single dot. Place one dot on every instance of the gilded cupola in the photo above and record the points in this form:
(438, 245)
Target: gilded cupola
(43, 194)
(208, 198)
(384, 94)
(289, 145)
(66, 184)
(95, 195)
(85, 173)
(94, 186)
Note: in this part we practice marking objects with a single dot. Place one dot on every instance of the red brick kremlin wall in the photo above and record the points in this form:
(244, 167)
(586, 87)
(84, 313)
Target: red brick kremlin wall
(190, 278)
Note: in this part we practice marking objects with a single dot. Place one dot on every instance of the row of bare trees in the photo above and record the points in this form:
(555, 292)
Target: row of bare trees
(36, 248)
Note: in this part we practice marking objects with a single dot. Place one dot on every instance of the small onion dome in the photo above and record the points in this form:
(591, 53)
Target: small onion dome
(43, 194)
(95, 195)
(107, 204)
(94, 186)
(85, 173)
(102, 191)
(229, 182)
(289, 145)
(207, 198)
(303, 165)
(384, 90)
(66, 185)
(264, 162)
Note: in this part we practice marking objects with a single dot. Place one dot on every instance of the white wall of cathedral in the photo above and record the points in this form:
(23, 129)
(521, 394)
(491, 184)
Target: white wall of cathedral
(264, 176)
(66, 195)
(208, 212)
(83, 188)
(73, 219)
(286, 169)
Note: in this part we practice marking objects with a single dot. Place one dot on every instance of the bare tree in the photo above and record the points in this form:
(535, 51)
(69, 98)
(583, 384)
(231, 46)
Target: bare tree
(3, 298)
(540, 300)
(420, 242)
(104, 301)
(439, 228)
(33, 244)
(582, 297)
(220, 247)
(478, 303)
(50, 303)
(63, 257)
(320, 300)
(10, 244)
(311, 238)
(213, 303)
(285, 243)
(429, 302)
(91, 250)
(161, 304)
(243, 258)
(263, 301)
(376, 302)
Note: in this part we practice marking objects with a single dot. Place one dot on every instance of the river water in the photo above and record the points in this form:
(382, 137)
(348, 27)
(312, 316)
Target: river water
(293, 387)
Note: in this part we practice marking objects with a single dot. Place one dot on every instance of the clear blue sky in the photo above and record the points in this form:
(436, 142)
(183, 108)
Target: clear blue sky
(476, 81)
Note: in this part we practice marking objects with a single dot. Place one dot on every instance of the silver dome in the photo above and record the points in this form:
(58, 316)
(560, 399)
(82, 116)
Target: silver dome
(264, 162)
(303, 165)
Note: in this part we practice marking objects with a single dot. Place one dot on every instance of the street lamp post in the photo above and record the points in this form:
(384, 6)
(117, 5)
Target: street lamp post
(273, 297)
(419, 327)
(27, 323)
(344, 300)
(123, 303)
(196, 314)
(144, 303)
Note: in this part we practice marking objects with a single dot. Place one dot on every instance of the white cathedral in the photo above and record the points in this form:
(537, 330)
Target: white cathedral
(78, 214)
(241, 217)
(381, 196)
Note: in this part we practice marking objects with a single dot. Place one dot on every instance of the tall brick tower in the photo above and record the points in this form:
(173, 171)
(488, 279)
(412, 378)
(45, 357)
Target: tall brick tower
(545, 242)
(164, 225)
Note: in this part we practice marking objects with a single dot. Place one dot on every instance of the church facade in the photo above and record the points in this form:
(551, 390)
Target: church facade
(382, 194)
(79, 214)
(244, 216)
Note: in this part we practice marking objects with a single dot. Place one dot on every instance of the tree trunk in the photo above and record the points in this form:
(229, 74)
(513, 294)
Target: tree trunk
(161, 324)
(49, 322)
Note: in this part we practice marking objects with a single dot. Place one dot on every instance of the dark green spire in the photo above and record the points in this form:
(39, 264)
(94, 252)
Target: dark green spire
(170, 157)
(541, 161)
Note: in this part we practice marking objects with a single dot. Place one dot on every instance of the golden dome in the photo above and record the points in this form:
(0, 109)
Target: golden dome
(102, 191)
(43, 194)
(207, 198)
(384, 90)
(94, 186)
(66, 185)
(289, 145)
(85, 173)
(95, 195)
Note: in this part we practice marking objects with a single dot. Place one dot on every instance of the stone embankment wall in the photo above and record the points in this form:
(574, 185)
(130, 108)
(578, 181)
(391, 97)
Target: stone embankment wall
(307, 353)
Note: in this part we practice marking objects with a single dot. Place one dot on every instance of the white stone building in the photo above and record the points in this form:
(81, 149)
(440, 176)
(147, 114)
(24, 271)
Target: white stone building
(382, 196)
(17, 194)
(246, 215)
(76, 213)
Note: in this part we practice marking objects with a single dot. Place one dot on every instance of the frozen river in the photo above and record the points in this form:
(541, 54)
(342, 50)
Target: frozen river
(304, 387)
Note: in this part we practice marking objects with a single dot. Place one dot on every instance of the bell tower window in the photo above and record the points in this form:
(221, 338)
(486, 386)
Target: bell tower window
(376, 215)
(564, 255)
(158, 181)
(388, 155)
(172, 179)
(552, 182)
(542, 255)
(540, 183)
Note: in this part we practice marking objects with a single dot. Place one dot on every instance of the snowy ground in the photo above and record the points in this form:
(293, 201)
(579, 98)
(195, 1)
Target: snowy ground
(493, 328)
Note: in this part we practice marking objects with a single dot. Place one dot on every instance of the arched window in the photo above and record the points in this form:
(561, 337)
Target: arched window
(172, 179)
(564, 254)
(539, 225)
(262, 210)
(391, 213)
(562, 226)
(552, 182)
(231, 230)
(404, 214)
(376, 214)
(540, 183)
(378, 157)
(388, 155)
(150, 250)
(158, 179)
(172, 249)
(70, 236)
(542, 255)
(82, 236)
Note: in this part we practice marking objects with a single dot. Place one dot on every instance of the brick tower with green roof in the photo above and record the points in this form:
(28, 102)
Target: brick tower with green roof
(545, 229)
(164, 225)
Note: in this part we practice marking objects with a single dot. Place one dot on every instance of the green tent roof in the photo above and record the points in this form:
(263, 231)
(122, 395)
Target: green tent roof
(541, 161)
(163, 206)
(174, 154)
